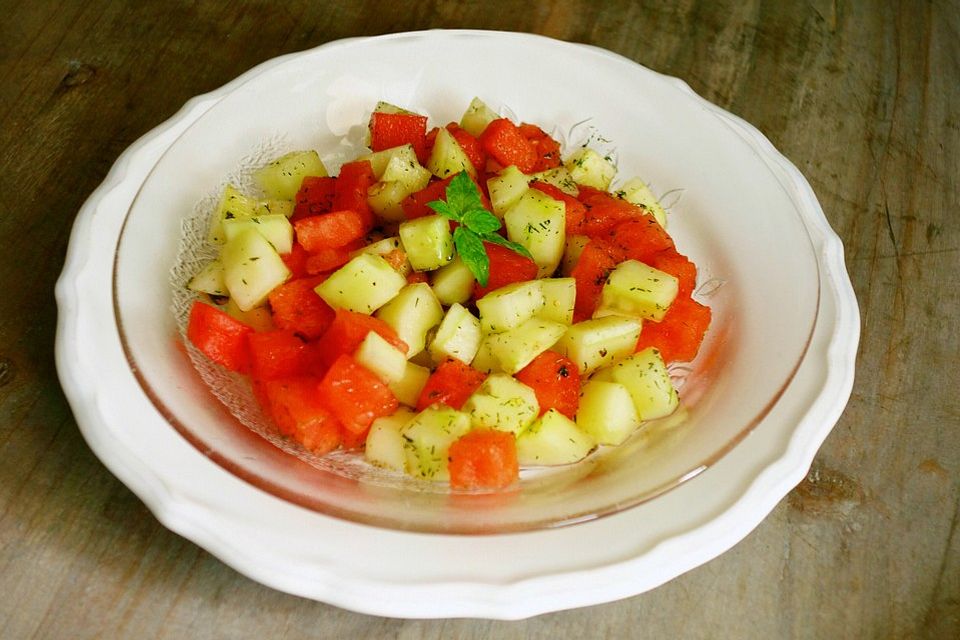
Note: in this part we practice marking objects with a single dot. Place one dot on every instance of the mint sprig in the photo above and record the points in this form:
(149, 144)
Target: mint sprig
(477, 225)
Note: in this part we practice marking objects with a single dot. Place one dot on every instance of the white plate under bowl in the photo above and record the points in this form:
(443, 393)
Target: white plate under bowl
(418, 575)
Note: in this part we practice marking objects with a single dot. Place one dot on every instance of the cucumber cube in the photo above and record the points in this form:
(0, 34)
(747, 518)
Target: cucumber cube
(281, 178)
(209, 280)
(538, 222)
(412, 313)
(453, 282)
(510, 306)
(233, 205)
(406, 171)
(645, 376)
(485, 360)
(447, 157)
(381, 358)
(506, 188)
(571, 253)
(271, 207)
(428, 242)
(427, 438)
(386, 200)
(598, 342)
(477, 116)
(274, 227)
(384, 247)
(607, 412)
(380, 159)
(384, 445)
(560, 178)
(553, 439)
(252, 268)
(516, 348)
(590, 169)
(407, 389)
(637, 290)
(559, 298)
(502, 402)
(364, 284)
(636, 191)
(458, 336)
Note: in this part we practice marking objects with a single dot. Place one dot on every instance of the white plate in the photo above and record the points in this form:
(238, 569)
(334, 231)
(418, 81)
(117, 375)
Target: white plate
(416, 575)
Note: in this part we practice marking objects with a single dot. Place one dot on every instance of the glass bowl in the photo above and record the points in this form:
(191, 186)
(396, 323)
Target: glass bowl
(730, 214)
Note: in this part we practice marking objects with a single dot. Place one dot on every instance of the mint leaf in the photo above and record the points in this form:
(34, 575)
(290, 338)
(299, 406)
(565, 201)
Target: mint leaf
(471, 251)
(496, 238)
(462, 194)
(444, 209)
(480, 221)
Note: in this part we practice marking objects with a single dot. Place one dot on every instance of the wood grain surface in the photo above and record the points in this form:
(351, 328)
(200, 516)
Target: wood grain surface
(864, 97)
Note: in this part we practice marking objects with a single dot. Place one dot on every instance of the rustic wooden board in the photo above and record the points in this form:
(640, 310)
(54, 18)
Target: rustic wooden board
(864, 97)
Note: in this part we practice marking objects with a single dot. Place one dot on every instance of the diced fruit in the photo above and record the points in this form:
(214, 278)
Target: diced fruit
(558, 177)
(415, 205)
(547, 149)
(298, 411)
(640, 239)
(384, 447)
(571, 252)
(380, 159)
(274, 207)
(277, 354)
(428, 438)
(604, 212)
(471, 147)
(596, 262)
(517, 347)
(427, 241)
(408, 172)
(506, 188)
(350, 190)
(447, 157)
(679, 334)
(210, 280)
(218, 336)
(386, 200)
(483, 459)
(329, 230)
(637, 290)
(606, 412)
(555, 380)
(364, 284)
(559, 298)
(595, 343)
(637, 192)
(296, 260)
(355, 395)
(510, 306)
(325, 260)
(458, 336)
(538, 222)
(395, 129)
(274, 227)
(258, 318)
(381, 357)
(506, 267)
(409, 387)
(281, 178)
(233, 206)
(485, 360)
(646, 378)
(297, 307)
(502, 403)
(477, 116)
(314, 197)
(504, 142)
(590, 169)
(453, 282)
(678, 266)
(252, 268)
(412, 312)
(347, 331)
(552, 440)
(574, 210)
(451, 384)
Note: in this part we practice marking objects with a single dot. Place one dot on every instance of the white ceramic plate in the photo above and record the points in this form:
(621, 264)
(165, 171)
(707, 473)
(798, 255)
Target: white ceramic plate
(416, 575)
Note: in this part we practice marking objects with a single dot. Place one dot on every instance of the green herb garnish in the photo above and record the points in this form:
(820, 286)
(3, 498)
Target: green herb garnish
(477, 225)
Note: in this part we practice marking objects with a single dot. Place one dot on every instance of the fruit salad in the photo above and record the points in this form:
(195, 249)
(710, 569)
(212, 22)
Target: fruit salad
(458, 303)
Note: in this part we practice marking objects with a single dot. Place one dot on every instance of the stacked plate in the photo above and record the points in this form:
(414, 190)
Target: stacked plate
(203, 489)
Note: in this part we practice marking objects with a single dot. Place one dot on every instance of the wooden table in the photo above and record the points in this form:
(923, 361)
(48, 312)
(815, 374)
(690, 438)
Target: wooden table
(864, 97)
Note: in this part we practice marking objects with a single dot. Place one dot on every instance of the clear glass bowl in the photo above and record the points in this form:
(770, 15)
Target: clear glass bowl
(731, 215)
